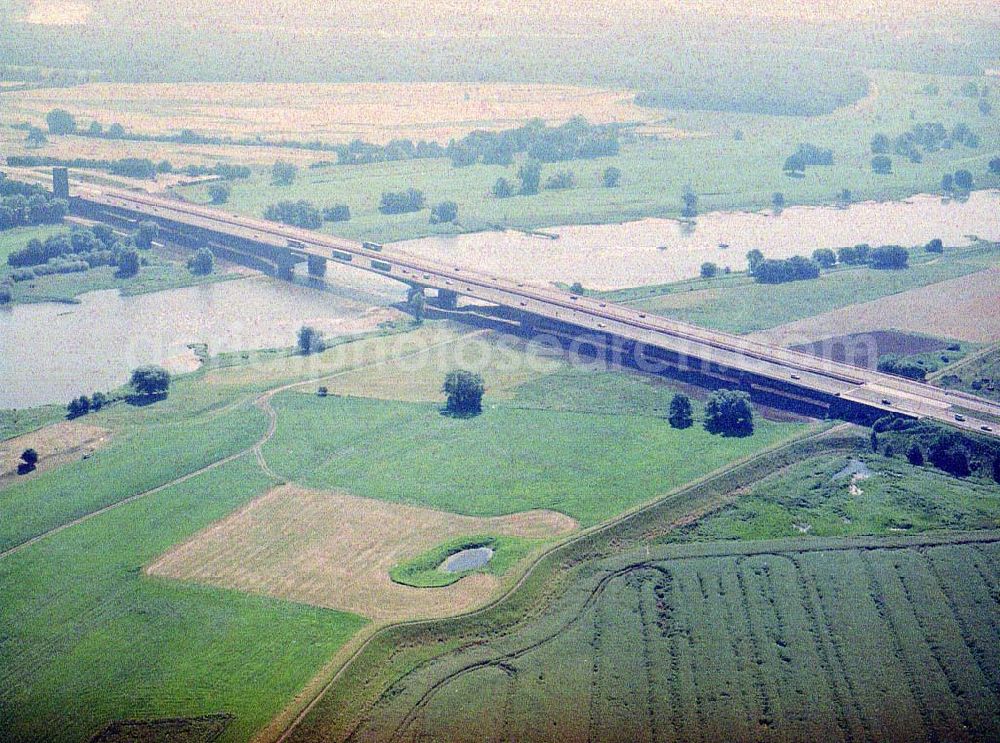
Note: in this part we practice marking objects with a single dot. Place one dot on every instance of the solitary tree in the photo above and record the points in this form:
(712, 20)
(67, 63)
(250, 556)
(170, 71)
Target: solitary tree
(60, 121)
(464, 390)
(201, 263)
(150, 380)
(219, 192)
(881, 165)
(576, 288)
(310, 340)
(935, 246)
(708, 270)
(98, 400)
(530, 175)
(144, 236)
(680, 411)
(36, 138)
(754, 259)
(690, 199)
(29, 460)
(611, 177)
(778, 201)
(963, 180)
(729, 412)
(503, 188)
(446, 211)
(417, 303)
(128, 264)
(283, 173)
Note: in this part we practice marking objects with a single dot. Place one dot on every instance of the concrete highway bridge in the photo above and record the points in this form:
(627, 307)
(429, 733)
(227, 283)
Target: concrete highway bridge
(804, 380)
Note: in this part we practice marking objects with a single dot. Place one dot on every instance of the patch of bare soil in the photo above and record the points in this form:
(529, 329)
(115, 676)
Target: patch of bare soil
(964, 308)
(56, 445)
(335, 550)
(864, 349)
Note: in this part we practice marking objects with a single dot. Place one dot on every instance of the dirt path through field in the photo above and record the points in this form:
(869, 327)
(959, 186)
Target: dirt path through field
(264, 403)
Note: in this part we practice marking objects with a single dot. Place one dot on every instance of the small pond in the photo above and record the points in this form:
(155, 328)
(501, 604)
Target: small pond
(855, 469)
(469, 559)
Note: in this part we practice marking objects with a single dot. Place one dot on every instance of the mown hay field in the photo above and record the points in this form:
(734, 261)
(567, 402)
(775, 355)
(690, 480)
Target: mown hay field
(335, 550)
(776, 641)
(331, 112)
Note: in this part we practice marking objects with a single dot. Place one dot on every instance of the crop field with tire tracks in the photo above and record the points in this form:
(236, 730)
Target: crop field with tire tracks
(816, 639)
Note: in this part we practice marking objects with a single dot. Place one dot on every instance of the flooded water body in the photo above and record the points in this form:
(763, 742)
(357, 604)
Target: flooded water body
(469, 559)
(53, 352)
(654, 251)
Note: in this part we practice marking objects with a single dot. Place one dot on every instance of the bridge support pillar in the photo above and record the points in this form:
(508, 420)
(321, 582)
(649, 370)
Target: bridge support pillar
(317, 266)
(447, 299)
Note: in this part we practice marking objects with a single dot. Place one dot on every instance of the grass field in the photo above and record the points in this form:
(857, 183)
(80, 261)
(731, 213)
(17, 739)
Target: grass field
(86, 639)
(806, 640)
(725, 172)
(979, 374)
(586, 465)
(740, 305)
(814, 498)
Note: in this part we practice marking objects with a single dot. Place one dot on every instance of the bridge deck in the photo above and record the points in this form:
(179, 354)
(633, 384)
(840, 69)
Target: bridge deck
(791, 368)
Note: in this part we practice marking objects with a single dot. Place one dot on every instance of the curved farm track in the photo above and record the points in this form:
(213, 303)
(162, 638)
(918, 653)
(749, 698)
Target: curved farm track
(263, 402)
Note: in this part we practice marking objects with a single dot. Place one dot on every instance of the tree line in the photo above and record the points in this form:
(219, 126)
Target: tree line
(955, 452)
(131, 167)
(799, 267)
(82, 249)
(27, 204)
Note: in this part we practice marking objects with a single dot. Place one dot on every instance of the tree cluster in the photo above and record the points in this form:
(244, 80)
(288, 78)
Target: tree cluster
(131, 167)
(464, 391)
(150, 380)
(560, 180)
(81, 249)
(796, 268)
(925, 138)
(806, 155)
(299, 213)
(23, 204)
(337, 213)
(576, 139)
(955, 452)
(902, 367)
(889, 256)
(82, 405)
(729, 412)
(959, 181)
(283, 173)
(402, 202)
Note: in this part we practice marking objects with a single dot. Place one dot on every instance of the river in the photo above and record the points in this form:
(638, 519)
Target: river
(655, 251)
(53, 352)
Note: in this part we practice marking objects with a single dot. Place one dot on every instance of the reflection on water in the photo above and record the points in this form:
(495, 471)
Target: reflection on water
(653, 251)
(53, 352)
